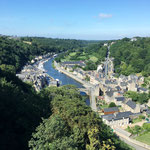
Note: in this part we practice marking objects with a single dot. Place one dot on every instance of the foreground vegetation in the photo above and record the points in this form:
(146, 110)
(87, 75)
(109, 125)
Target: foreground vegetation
(82, 128)
(62, 109)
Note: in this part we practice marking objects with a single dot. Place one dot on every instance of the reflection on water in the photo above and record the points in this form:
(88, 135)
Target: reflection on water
(58, 75)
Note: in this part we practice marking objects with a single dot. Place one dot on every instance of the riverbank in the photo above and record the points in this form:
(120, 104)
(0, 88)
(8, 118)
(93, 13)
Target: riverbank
(57, 67)
(36, 74)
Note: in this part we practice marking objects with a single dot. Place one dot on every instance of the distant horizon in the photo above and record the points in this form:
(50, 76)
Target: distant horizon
(74, 38)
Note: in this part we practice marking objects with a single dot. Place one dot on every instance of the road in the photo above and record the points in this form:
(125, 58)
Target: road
(125, 136)
(133, 145)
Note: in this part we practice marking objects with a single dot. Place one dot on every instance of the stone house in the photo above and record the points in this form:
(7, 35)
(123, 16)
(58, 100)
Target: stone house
(117, 119)
(110, 110)
(142, 90)
(129, 105)
(132, 86)
(109, 96)
(119, 100)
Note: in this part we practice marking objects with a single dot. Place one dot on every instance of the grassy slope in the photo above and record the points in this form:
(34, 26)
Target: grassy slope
(144, 138)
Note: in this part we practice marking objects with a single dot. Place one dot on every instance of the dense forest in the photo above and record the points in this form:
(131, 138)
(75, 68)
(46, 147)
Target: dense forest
(19, 51)
(131, 56)
(54, 118)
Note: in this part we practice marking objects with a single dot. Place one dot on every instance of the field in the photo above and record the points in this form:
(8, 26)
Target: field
(136, 120)
(72, 54)
(93, 58)
(144, 138)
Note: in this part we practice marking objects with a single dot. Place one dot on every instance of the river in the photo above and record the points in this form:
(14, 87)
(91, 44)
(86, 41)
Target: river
(65, 80)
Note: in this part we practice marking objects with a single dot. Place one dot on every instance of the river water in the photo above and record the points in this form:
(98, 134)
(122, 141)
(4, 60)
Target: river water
(65, 80)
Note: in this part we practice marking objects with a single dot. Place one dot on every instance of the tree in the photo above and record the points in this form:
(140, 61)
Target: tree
(49, 135)
(82, 128)
(112, 104)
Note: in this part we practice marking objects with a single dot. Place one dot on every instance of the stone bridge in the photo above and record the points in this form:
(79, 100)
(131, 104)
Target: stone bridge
(84, 90)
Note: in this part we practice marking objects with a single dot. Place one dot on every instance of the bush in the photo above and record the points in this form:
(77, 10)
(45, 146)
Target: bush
(112, 104)
(141, 117)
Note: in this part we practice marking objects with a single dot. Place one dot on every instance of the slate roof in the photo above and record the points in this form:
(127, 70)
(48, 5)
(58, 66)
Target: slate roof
(131, 104)
(133, 77)
(136, 114)
(109, 93)
(142, 89)
(111, 109)
(108, 82)
(123, 84)
(121, 115)
(117, 116)
(148, 112)
(81, 63)
(120, 98)
(118, 88)
(108, 117)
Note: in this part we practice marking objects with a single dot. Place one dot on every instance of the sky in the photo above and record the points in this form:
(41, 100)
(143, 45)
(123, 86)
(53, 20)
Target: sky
(75, 19)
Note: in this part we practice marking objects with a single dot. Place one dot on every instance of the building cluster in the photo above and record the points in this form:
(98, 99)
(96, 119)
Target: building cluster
(112, 89)
(35, 74)
(32, 74)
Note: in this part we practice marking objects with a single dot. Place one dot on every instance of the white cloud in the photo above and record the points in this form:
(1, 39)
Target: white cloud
(102, 15)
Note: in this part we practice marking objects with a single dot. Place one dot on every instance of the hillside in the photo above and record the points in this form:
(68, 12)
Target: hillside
(18, 51)
(131, 56)
(92, 54)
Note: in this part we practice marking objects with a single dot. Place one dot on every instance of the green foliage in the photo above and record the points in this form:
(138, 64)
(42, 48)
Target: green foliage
(141, 117)
(146, 126)
(138, 97)
(112, 104)
(131, 57)
(92, 54)
(134, 130)
(69, 118)
(21, 111)
(87, 78)
(82, 128)
(18, 53)
(52, 134)
(90, 66)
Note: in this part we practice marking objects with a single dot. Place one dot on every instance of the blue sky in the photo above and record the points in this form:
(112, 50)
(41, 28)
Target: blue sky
(78, 19)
